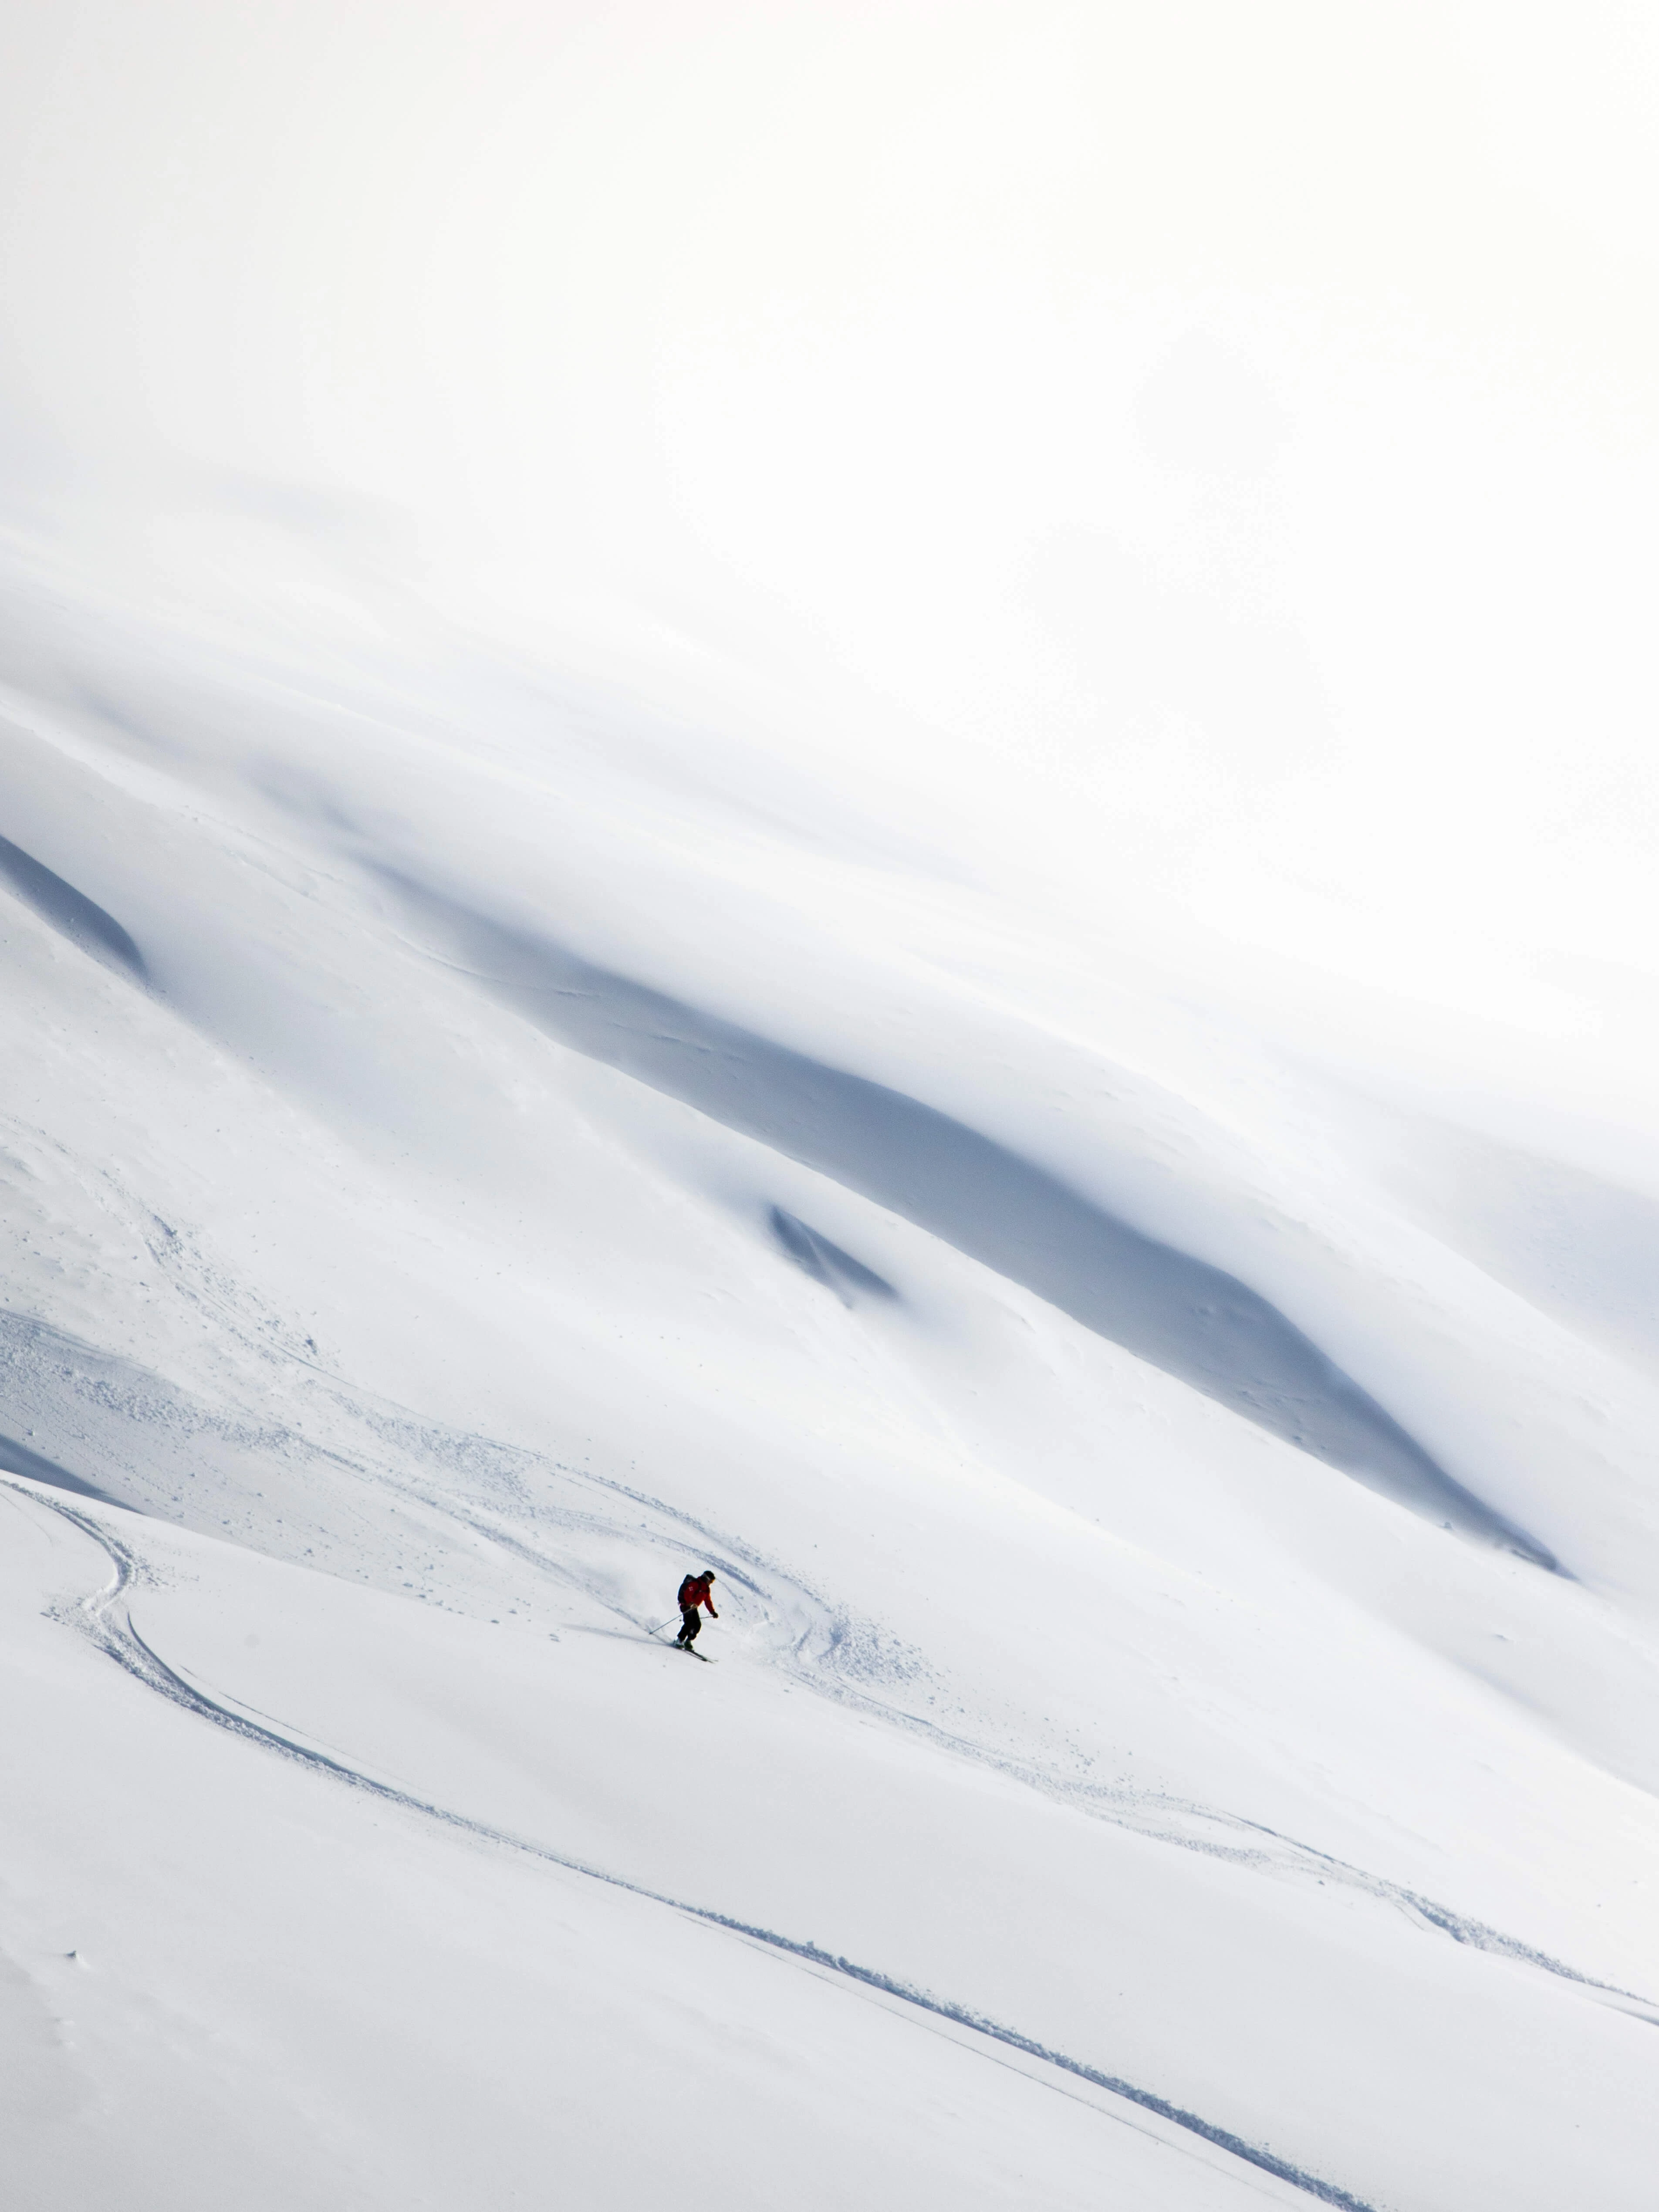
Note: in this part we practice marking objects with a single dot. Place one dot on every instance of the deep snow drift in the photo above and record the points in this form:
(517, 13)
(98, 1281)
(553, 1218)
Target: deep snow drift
(477, 1142)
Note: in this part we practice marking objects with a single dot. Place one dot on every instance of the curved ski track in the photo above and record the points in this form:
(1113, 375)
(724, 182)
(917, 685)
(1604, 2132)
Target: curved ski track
(830, 1648)
(107, 1621)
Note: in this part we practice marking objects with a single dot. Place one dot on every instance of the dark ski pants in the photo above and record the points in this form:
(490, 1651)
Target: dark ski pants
(691, 1622)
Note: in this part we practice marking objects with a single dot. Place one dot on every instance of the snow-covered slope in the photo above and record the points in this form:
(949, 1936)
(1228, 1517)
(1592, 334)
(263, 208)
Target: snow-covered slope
(474, 1149)
(863, 795)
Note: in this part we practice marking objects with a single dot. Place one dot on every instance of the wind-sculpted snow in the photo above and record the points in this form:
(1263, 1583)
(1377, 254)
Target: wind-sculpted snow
(443, 1265)
(825, 1261)
(21, 1460)
(1191, 1319)
(70, 912)
(733, 837)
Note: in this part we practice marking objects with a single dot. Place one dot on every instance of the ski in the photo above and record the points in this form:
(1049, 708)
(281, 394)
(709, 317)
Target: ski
(687, 1649)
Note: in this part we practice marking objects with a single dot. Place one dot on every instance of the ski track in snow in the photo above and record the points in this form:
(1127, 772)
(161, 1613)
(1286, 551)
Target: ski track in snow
(826, 1646)
(104, 1621)
(125, 1435)
(821, 1641)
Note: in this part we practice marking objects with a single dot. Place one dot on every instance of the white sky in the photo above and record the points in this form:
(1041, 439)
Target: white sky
(1234, 425)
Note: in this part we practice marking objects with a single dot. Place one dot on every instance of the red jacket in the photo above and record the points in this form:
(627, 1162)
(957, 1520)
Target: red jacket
(694, 1592)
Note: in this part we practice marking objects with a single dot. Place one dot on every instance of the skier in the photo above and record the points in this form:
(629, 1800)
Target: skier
(694, 1592)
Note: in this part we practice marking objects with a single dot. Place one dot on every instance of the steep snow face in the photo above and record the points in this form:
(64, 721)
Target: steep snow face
(476, 1145)
(863, 795)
